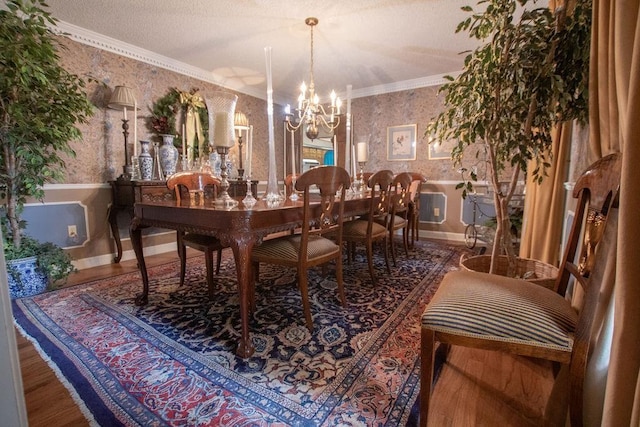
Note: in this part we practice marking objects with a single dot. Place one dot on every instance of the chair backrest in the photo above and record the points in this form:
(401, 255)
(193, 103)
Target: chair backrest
(599, 288)
(327, 217)
(197, 186)
(400, 196)
(417, 179)
(595, 190)
(380, 184)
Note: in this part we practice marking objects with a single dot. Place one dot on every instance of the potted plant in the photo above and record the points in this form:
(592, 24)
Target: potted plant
(530, 75)
(40, 105)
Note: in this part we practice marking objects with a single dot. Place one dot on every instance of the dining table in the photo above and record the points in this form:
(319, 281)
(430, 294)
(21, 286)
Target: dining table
(240, 228)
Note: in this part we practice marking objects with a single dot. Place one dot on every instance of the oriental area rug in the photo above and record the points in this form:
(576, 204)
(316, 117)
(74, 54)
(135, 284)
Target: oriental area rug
(172, 362)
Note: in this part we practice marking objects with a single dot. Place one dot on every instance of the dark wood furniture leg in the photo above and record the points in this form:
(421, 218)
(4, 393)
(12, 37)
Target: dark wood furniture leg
(241, 247)
(135, 232)
(113, 222)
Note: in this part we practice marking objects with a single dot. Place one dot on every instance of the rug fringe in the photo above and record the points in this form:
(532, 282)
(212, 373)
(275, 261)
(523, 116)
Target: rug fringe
(72, 391)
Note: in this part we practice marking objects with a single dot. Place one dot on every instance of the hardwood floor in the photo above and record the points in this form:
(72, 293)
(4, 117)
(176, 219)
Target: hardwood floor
(475, 388)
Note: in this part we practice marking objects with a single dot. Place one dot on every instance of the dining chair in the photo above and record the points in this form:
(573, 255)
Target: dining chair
(417, 179)
(372, 227)
(398, 218)
(487, 311)
(197, 187)
(322, 216)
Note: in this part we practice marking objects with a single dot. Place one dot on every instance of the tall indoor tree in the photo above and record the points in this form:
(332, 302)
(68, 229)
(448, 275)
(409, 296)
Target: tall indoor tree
(530, 75)
(40, 106)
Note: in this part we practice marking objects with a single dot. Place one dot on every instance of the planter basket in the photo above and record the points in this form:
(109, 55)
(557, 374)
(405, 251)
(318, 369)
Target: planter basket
(543, 274)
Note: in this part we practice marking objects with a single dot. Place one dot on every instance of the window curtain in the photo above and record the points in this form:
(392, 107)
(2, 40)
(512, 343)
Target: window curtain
(615, 126)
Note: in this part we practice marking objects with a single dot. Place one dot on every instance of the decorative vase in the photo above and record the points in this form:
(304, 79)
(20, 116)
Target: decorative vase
(145, 160)
(168, 155)
(32, 281)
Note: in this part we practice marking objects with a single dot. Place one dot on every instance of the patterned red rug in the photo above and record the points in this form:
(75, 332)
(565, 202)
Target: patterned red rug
(172, 362)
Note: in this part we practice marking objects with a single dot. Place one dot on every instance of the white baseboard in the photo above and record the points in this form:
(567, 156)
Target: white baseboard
(84, 263)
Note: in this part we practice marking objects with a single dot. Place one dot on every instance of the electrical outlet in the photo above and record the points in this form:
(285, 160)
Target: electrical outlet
(72, 231)
(436, 212)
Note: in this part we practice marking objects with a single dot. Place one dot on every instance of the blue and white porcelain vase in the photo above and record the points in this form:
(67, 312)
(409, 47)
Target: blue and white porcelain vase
(168, 155)
(31, 280)
(145, 160)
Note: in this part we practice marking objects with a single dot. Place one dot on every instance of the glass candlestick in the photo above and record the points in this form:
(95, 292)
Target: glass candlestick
(135, 168)
(224, 200)
(185, 162)
(361, 184)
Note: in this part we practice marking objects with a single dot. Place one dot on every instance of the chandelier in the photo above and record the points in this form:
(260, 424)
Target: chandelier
(310, 112)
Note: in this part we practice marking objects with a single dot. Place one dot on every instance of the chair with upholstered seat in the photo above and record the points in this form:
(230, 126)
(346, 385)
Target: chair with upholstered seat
(311, 247)
(417, 179)
(486, 311)
(398, 218)
(367, 230)
(196, 186)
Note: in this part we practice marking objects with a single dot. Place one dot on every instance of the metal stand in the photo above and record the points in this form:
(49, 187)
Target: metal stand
(127, 169)
(224, 200)
(361, 184)
(240, 168)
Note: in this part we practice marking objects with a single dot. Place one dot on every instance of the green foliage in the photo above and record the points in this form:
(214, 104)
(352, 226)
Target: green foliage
(51, 259)
(531, 74)
(40, 106)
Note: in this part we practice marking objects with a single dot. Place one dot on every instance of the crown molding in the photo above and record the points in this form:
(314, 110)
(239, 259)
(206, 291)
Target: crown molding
(109, 44)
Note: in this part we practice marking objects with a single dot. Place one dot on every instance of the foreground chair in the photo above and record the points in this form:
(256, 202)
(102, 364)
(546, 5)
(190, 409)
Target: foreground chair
(368, 230)
(311, 248)
(417, 179)
(194, 186)
(492, 312)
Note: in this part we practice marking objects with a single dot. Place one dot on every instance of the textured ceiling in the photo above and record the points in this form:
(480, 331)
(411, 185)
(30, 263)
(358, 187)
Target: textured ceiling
(372, 45)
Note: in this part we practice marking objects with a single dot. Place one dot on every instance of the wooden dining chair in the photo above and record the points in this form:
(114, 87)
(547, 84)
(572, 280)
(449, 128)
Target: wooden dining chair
(197, 187)
(372, 227)
(487, 311)
(398, 219)
(312, 247)
(417, 179)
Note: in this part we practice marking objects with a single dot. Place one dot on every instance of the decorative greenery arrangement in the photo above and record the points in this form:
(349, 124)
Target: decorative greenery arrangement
(166, 110)
(40, 105)
(531, 75)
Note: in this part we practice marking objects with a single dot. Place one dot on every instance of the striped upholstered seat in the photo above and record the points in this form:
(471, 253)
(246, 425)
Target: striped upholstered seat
(288, 248)
(498, 308)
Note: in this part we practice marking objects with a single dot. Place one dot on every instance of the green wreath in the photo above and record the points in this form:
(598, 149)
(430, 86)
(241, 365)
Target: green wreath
(165, 111)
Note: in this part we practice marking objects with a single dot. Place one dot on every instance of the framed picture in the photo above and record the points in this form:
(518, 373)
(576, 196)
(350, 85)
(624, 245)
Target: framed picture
(439, 150)
(401, 142)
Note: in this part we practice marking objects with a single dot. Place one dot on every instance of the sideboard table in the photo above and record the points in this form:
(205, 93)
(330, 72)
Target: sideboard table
(125, 193)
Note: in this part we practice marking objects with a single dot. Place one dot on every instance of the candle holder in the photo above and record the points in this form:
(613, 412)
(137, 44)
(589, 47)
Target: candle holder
(127, 169)
(361, 184)
(224, 200)
(135, 168)
(184, 162)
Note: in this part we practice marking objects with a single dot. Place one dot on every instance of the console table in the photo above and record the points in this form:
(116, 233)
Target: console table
(125, 192)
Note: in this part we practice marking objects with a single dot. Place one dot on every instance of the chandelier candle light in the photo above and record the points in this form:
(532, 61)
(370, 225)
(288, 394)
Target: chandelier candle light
(310, 112)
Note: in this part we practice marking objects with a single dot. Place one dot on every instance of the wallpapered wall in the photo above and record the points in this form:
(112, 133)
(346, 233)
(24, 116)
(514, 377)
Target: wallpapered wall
(100, 154)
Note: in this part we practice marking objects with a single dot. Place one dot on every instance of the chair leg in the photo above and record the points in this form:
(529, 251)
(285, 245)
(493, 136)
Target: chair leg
(386, 256)
(182, 254)
(393, 247)
(370, 260)
(405, 239)
(208, 260)
(427, 352)
(339, 279)
(219, 261)
(304, 292)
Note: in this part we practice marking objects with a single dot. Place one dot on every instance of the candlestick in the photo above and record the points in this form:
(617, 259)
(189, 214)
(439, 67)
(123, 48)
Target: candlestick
(184, 139)
(272, 195)
(224, 200)
(294, 194)
(135, 128)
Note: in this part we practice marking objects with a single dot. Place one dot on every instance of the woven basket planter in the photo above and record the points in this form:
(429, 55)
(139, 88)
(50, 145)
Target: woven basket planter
(541, 273)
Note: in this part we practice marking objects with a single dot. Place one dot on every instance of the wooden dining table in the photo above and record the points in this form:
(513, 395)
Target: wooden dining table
(240, 228)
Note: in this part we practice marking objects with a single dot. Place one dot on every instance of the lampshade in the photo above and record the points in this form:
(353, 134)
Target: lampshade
(240, 120)
(122, 98)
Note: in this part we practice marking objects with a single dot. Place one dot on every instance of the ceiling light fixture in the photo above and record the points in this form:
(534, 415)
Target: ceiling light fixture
(310, 112)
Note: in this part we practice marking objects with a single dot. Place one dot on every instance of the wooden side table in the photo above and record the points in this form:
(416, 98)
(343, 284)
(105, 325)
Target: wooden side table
(125, 193)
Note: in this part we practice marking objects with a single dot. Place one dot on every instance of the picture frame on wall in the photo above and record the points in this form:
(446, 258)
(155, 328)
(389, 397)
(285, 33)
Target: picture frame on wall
(401, 142)
(439, 150)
